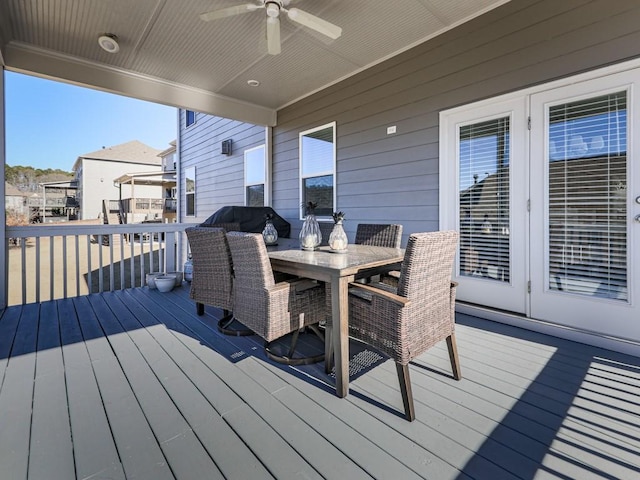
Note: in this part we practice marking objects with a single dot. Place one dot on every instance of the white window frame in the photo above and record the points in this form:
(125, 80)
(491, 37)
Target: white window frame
(187, 175)
(265, 178)
(331, 172)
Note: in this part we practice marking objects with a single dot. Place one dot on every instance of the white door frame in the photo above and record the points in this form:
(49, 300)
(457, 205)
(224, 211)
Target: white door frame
(591, 313)
(511, 295)
(449, 199)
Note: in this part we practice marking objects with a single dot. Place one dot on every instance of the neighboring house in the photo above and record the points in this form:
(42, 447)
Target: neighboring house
(15, 201)
(95, 172)
(135, 207)
(169, 160)
(55, 202)
(531, 102)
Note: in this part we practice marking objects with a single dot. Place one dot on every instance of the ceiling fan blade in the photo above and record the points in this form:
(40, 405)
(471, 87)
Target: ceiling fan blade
(273, 35)
(229, 11)
(315, 23)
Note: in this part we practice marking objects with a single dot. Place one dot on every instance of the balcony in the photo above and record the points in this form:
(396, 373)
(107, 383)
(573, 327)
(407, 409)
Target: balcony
(138, 209)
(131, 383)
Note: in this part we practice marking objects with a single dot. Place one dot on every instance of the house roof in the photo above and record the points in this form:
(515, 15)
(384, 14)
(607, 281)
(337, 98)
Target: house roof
(130, 152)
(169, 150)
(11, 191)
(168, 55)
(147, 178)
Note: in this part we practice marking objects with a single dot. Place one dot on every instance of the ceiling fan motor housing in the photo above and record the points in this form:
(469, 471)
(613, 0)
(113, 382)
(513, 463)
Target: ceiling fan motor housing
(273, 7)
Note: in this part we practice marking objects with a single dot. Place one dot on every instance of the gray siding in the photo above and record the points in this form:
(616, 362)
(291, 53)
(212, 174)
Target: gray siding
(394, 178)
(219, 178)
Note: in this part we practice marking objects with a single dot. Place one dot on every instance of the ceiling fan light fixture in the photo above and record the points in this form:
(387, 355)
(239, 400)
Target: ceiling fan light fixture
(273, 9)
(109, 43)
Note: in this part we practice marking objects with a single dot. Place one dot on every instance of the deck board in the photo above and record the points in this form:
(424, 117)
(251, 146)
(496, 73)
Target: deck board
(51, 449)
(185, 454)
(197, 391)
(16, 396)
(132, 434)
(133, 384)
(94, 448)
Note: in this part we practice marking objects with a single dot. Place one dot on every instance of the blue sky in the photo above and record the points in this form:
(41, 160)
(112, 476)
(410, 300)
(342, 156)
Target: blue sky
(49, 124)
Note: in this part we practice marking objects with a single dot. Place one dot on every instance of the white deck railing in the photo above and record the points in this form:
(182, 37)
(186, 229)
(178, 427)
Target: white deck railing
(68, 260)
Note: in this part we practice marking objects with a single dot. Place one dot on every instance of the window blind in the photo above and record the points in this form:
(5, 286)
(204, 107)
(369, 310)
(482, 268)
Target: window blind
(484, 199)
(587, 179)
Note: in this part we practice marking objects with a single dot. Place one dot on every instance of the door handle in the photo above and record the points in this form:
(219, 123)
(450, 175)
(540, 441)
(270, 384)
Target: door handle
(637, 219)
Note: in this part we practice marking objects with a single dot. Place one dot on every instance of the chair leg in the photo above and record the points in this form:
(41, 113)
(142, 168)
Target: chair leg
(405, 390)
(294, 342)
(199, 309)
(453, 356)
(289, 358)
(224, 326)
(328, 350)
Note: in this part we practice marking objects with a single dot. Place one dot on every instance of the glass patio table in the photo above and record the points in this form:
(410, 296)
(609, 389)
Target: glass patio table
(337, 269)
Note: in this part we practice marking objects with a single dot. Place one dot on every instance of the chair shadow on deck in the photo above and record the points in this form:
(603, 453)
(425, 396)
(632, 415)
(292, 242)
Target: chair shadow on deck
(235, 348)
(558, 412)
(362, 358)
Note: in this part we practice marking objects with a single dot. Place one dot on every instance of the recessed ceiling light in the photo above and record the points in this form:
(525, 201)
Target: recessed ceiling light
(109, 43)
(253, 83)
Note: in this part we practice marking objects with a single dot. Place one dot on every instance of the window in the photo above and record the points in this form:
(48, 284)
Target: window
(190, 191)
(190, 117)
(255, 174)
(317, 168)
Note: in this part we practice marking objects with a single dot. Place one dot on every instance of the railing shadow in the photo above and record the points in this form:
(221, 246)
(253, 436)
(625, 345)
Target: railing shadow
(129, 272)
(558, 419)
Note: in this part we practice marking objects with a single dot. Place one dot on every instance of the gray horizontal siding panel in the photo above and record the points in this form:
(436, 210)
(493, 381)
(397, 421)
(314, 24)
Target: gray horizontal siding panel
(219, 178)
(520, 44)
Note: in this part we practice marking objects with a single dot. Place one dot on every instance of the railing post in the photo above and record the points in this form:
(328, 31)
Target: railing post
(170, 252)
(4, 253)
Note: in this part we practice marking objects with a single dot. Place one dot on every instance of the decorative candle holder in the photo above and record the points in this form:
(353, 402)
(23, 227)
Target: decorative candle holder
(269, 233)
(310, 235)
(338, 238)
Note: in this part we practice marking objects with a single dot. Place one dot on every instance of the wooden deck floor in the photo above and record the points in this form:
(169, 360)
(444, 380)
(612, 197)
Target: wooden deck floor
(132, 384)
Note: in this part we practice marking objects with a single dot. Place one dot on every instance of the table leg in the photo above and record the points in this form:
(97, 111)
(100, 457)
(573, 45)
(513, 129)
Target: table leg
(340, 332)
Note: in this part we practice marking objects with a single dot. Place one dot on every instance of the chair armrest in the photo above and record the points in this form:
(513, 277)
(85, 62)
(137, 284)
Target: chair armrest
(391, 297)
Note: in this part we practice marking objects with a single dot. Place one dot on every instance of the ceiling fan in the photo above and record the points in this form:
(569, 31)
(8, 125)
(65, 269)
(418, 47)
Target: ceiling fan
(273, 9)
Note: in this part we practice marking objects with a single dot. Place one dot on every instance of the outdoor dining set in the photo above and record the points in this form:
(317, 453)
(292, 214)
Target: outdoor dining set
(398, 301)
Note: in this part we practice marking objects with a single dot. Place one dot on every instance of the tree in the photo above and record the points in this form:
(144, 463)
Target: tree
(26, 179)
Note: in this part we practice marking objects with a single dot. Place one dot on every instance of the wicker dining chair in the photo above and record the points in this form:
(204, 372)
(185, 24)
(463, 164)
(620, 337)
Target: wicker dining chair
(212, 282)
(420, 313)
(273, 310)
(374, 234)
(379, 235)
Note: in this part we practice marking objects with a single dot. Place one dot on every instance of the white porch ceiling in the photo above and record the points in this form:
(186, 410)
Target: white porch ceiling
(168, 55)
